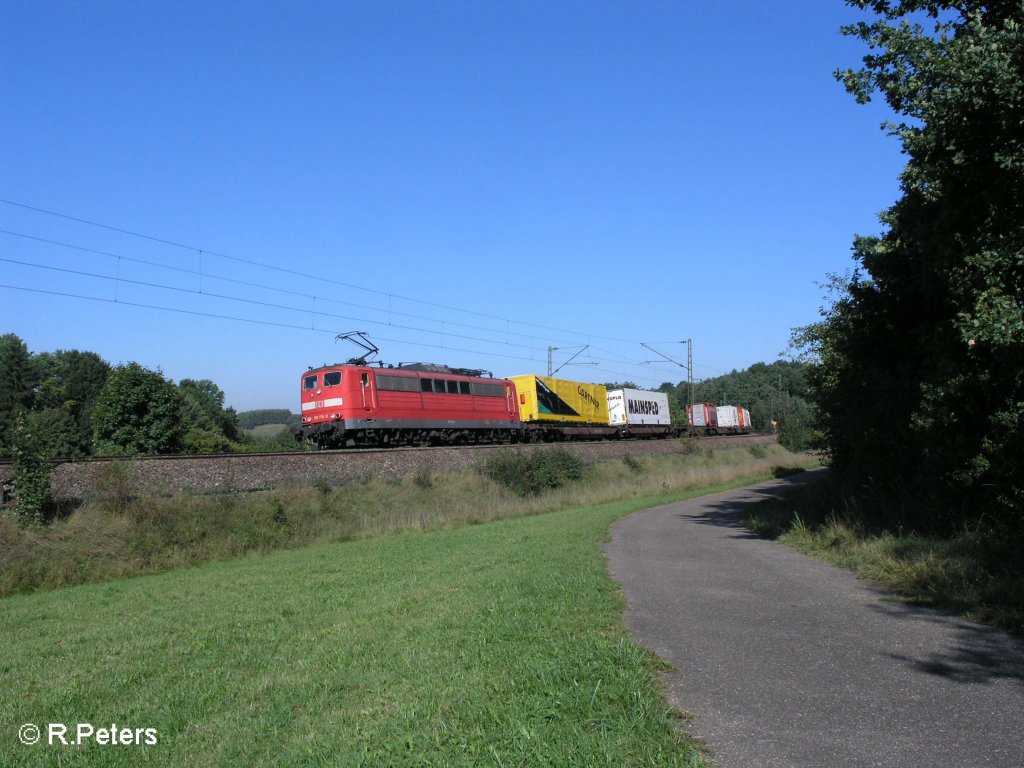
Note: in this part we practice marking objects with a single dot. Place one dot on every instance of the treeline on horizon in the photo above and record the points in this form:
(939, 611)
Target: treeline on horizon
(71, 403)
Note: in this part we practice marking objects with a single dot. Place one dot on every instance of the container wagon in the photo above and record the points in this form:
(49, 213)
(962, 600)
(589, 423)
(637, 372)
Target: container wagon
(555, 409)
(639, 413)
(703, 418)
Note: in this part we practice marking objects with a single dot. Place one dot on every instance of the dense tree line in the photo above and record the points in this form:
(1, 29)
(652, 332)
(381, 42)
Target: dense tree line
(73, 403)
(919, 354)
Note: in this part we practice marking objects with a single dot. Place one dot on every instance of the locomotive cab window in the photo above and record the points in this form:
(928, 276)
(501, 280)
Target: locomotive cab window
(309, 382)
(463, 387)
(332, 379)
(453, 387)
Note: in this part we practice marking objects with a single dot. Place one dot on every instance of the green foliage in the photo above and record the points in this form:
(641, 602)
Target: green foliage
(138, 412)
(208, 441)
(919, 353)
(204, 409)
(528, 474)
(31, 474)
(55, 432)
(70, 381)
(17, 379)
(55, 390)
(58, 392)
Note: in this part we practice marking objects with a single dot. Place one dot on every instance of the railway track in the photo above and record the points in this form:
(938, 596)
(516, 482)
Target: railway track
(758, 437)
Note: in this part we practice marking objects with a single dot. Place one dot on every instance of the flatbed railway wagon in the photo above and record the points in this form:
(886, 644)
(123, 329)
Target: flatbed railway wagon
(640, 413)
(556, 409)
(415, 404)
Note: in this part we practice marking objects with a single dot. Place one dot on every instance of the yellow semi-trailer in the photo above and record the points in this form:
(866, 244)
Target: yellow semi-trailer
(557, 401)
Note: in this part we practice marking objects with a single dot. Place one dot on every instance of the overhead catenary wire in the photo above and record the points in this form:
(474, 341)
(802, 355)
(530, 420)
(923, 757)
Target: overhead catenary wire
(118, 280)
(194, 312)
(317, 300)
(296, 273)
(313, 298)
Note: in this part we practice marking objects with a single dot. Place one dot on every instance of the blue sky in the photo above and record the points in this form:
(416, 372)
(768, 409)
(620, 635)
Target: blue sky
(469, 183)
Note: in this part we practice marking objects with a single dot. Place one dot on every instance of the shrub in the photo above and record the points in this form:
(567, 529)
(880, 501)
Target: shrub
(528, 474)
(208, 441)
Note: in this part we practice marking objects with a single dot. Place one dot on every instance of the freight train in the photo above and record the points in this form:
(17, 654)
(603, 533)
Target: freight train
(356, 404)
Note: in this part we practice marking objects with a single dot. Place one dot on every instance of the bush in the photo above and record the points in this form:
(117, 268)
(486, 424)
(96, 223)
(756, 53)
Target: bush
(528, 474)
(138, 412)
(208, 441)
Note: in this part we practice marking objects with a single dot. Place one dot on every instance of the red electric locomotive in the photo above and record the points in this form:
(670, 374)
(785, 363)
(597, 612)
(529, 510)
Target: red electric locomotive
(415, 404)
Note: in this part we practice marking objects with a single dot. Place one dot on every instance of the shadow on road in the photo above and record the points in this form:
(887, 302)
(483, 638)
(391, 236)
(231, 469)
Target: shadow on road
(981, 654)
(726, 513)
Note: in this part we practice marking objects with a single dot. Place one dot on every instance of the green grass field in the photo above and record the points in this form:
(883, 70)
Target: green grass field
(442, 620)
(495, 644)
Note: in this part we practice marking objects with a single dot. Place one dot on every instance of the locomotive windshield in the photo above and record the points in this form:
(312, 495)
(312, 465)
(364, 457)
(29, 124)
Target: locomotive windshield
(309, 382)
(332, 379)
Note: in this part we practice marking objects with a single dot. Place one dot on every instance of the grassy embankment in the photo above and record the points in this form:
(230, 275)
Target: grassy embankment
(497, 644)
(977, 572)
(115, 535)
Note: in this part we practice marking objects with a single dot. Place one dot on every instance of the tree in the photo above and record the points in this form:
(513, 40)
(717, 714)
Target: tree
(54, 432)
(211, 427)
(138, 412)
(920, 352)
(16, 384)
(71, 381)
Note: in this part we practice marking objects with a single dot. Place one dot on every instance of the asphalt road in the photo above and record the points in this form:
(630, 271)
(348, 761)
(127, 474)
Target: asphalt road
(782, 660)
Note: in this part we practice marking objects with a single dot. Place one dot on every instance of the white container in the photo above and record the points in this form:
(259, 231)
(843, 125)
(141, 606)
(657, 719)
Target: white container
(637, 406)
(701, 416)
(728, 417)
